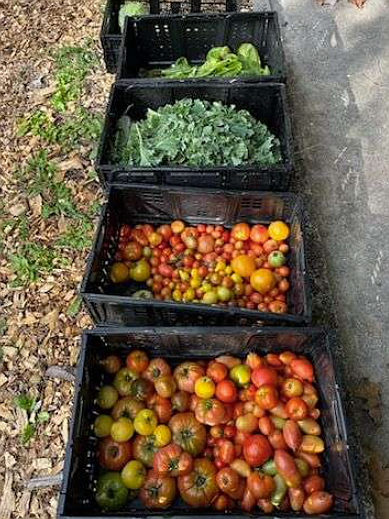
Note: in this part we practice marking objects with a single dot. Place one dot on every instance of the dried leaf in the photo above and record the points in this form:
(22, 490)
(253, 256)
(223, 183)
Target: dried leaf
(7, 503)
(17, 209)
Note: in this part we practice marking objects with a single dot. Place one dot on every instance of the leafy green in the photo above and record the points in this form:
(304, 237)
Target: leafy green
(26, 402)
(131, 9)
(27, 433)
(219, 62)
(193, 132)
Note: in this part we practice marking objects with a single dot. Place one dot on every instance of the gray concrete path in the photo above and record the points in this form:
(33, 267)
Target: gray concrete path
(338, 59)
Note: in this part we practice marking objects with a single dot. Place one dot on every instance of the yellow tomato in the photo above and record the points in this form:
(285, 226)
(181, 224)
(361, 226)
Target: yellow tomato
(162, 435)
(145, 422)
(122, 430)
(204, 387)
(278, 230)
(262, 280)
(133, 474)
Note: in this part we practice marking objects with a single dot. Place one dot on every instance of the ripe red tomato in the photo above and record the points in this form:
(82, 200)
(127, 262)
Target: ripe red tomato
(113, 455)
(257, 450)
(264, 375)
(227, 480)
(224, 450)
(297, 409)
(137, 360)
(266, 397)
(226, 391)
(217, 371)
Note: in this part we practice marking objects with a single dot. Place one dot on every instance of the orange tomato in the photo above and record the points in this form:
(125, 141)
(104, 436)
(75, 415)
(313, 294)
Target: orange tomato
(243, 265)
(241, 232)
(262, 280)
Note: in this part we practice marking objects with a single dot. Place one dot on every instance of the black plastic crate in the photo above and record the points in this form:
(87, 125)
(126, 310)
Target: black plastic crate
(158, 41)
(111, 36)
(178, 344)
(265, 101)
(111, 304)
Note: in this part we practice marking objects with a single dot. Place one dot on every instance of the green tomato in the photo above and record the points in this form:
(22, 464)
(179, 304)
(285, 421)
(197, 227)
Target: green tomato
(111, 493)
(107, 397)
(140, 271)
(240, 374)
(276, 259)
(102, 425)
(224, 293)
(123, 380)
(134, 474)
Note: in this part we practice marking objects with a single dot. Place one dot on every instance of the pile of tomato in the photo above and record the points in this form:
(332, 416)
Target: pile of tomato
(227, 434)
(245, 266)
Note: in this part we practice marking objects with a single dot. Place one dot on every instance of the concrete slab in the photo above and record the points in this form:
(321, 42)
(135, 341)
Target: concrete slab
(338, 60)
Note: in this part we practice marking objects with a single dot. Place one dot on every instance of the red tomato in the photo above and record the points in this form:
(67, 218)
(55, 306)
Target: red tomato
(132, 251)
(297, 409)
(266, 426)
(226, 391)
(257, 450)
(266, 397)
(264, 375)
(259, 234)
(224, 451)
(139, 236)
(230, 431)
(260, 485)
(287, 469)
(313, 484)
(276, 440)
(217, 371)
(302, 368)
(241, 437)
(227, 480)
(166, 231)
(137, 360)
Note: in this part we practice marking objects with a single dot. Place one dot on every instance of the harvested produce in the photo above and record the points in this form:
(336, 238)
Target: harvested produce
(206, 264)
(219, 62)
(213, 440)
(193, 132)
(131, 8)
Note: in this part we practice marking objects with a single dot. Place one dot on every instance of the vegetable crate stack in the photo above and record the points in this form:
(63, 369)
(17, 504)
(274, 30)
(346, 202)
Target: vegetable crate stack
(174, 415)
